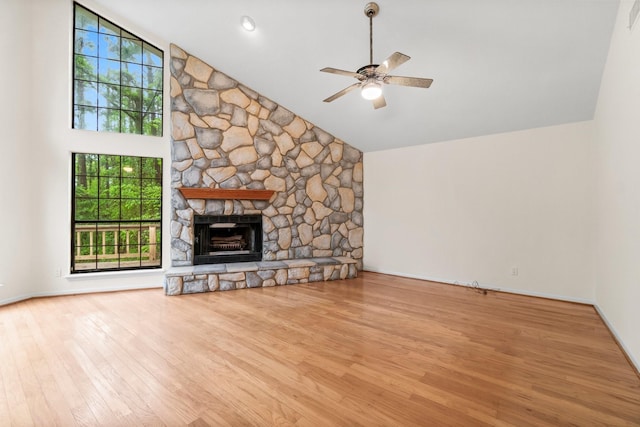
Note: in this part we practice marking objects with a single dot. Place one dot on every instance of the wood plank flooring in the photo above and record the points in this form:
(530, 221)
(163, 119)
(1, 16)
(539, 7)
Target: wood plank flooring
(377, 350)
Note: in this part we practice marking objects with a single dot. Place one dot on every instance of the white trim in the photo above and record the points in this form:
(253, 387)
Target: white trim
(624, 348)
(77, 291)
(13, 300)
(487, 286)
(544, 295)
(94, 290)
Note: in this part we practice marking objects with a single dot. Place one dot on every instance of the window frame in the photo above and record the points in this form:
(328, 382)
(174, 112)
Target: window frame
(149, 108)
(120, 223)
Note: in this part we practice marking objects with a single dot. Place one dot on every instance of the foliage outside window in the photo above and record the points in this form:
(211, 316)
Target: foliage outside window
(117, 78)
(116, 212)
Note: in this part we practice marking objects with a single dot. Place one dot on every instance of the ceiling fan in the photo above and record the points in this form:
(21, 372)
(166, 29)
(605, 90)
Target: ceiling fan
(371, 77)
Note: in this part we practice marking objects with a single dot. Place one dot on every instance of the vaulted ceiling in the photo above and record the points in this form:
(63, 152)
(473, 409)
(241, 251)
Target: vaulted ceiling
(497, 65)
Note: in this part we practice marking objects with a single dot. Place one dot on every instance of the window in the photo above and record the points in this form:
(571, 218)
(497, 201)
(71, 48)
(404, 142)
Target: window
(117, 78)
(116, 212)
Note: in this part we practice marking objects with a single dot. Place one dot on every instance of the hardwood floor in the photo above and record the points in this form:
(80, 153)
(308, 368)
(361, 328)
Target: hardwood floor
(377, 350)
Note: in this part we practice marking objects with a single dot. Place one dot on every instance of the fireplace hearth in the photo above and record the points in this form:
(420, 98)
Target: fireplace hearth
(227, 238)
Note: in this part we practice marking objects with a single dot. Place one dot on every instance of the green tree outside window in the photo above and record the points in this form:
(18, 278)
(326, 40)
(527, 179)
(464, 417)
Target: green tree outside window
(117, 212)
(118, 78)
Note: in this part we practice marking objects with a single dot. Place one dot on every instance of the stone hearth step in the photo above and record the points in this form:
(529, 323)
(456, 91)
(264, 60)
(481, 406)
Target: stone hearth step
(223, 277)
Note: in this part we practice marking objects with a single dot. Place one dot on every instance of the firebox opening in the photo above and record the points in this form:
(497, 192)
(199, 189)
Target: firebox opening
(227, 238)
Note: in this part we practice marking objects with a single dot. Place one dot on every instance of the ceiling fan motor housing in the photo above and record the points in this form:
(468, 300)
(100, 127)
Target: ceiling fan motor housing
(368, 70)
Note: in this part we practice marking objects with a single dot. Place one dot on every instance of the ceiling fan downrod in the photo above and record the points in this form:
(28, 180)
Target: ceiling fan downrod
(371, 10)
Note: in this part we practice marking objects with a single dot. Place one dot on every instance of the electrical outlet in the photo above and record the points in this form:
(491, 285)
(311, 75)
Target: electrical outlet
(58, 272)
(514, 271)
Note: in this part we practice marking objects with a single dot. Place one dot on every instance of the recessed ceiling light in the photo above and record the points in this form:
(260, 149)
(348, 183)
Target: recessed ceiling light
(248, 23)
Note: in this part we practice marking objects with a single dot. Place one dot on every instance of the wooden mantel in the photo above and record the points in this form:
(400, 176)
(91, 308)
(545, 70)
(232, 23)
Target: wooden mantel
(225, 194)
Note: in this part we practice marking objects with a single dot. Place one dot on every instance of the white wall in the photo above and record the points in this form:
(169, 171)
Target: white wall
(16, 187)
(472, 209)
(618, 180)
(41, 173)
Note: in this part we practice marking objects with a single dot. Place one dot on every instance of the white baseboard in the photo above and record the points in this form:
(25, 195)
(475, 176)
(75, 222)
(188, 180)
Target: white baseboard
(487, 286)
(76, 291)
(627, 352)
(13, 300)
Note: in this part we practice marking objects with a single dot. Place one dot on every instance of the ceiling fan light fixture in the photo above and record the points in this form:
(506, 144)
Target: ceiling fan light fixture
(247, 23)
(371, 90)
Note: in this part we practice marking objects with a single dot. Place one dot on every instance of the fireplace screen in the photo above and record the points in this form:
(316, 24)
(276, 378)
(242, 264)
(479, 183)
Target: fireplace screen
(227, 238)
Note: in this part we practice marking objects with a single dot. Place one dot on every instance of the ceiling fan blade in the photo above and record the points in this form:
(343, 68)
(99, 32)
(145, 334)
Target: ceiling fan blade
(342, 72)
(379, 102)
(394, 60)
(408, 81)
(342, 92)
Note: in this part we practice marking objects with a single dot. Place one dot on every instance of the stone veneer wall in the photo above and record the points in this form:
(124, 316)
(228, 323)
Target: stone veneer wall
(225, 135)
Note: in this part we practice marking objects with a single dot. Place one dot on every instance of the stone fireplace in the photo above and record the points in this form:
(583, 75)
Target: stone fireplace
(236, 152)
